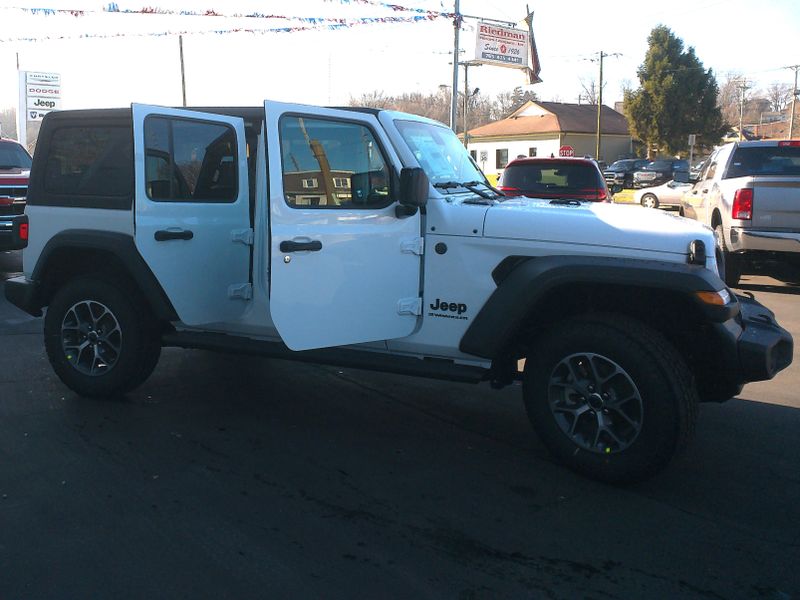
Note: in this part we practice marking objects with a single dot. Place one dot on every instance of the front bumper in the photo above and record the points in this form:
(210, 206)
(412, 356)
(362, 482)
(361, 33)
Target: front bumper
(749, 240)
(10, 236)
(756, 347)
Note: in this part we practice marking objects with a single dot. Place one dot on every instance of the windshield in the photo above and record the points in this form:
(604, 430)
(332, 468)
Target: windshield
(13, 156)
(765, 160)
(439, 152)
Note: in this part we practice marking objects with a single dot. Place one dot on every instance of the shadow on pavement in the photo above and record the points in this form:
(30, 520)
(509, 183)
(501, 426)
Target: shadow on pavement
(778, 270)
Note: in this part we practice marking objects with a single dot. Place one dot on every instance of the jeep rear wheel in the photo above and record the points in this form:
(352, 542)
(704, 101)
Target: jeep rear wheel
(610, 397)
(100, 337)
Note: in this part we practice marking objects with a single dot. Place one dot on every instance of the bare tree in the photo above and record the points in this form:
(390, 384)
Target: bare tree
(730, 97)
(779, 95)
(591, 91)
(8, 127)
(482, 109)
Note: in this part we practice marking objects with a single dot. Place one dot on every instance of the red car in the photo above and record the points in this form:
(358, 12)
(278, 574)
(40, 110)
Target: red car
(15, 170)
(555, 179)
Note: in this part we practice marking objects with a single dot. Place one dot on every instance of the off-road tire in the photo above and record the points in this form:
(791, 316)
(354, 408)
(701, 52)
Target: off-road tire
(140, 345)
(668, 395)
(731, 268)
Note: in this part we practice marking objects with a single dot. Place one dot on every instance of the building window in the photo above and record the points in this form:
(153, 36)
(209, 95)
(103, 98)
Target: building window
(310, 183)
(531, 152)
(341, 182)
(501, 157)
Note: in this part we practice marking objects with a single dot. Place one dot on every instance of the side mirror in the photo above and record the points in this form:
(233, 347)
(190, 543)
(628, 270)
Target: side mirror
(414, 186)
(681, 176)
(616, 188)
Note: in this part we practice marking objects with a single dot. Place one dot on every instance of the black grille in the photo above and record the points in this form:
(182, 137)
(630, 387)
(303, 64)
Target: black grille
(18, 194)
(13, 192)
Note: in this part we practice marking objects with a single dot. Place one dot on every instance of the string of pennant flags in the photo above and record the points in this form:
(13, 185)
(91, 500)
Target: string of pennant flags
(255, 31)
(114, 7)
(414, 15)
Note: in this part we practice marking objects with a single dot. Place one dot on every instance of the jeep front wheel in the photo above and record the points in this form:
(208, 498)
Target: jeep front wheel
(100, 337)
(610, 397)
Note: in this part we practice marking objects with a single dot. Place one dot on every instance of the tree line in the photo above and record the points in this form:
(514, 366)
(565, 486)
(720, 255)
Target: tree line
(481, 109)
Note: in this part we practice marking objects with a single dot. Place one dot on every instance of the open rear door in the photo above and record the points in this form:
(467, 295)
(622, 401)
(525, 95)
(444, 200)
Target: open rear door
(344, 267)
(192, 210)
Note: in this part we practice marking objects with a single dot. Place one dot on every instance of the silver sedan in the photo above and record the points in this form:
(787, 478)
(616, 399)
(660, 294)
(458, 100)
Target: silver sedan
(666, 194)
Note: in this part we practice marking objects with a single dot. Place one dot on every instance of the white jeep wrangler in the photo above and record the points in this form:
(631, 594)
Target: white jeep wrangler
(368, 239)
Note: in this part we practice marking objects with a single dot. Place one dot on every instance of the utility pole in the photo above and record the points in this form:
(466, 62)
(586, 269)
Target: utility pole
(743, 87)
(601, 55)
(467, 95)
(183, 71)
(454, 98)
(794, 101)
(599, 108)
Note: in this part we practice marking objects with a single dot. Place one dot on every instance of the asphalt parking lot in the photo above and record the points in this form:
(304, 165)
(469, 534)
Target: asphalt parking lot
(238, 477)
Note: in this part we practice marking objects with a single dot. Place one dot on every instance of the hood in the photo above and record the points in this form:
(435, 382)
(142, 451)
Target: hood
(595, 224)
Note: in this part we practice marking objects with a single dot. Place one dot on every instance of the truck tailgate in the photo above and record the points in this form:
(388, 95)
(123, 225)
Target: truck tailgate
(776, 203)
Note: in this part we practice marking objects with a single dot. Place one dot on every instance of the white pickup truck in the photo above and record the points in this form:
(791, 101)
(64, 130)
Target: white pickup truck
(749, 194)
(369, 239)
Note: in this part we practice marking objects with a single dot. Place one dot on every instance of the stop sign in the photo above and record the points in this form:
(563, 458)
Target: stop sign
(566, 151)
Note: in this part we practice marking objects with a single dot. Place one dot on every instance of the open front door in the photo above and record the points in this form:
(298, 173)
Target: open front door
(344, 267)
(192, 210)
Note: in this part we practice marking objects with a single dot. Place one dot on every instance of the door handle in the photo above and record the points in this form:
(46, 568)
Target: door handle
(292, 246)
(163, 235)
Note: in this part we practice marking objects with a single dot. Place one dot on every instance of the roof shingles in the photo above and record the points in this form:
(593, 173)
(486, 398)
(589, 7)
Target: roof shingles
(563, 118)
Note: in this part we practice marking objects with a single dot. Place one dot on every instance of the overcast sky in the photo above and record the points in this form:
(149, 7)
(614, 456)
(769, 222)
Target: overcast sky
(755, 39)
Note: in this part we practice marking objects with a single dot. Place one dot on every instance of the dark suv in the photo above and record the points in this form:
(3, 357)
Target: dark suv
(554, 178)
(659, 171)
(620, 173)
(15, 168)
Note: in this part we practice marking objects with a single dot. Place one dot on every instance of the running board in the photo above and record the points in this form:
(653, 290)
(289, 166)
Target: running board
(433, 368)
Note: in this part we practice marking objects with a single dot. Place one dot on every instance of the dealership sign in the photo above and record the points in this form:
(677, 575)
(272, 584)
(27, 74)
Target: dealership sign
(42, 94)
(39, 94)
(502, 46)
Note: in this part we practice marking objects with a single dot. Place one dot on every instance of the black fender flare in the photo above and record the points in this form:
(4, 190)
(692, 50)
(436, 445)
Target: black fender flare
(523, 281)
(120, 245)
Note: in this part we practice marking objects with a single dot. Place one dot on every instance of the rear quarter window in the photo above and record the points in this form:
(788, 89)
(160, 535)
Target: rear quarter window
(89, 161)
(84, 160)
(765, 161)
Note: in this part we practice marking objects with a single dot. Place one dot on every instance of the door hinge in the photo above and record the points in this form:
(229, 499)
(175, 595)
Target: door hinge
(409, 306)
(243, 291)
(244, 236)
(413, 246)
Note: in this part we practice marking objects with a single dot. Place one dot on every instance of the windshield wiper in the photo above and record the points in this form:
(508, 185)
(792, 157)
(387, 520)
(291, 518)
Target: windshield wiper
(469, 185)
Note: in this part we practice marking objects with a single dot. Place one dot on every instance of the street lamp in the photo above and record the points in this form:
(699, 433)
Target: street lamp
(467, 97)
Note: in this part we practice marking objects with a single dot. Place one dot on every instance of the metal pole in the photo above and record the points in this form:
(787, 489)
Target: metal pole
(22, 111)
(743, 87)
(466, 100)
(599, 107)
(454, 98)
(794, 101)
(183, 71)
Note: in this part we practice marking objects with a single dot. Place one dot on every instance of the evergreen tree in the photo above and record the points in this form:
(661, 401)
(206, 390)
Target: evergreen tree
(676, 96)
